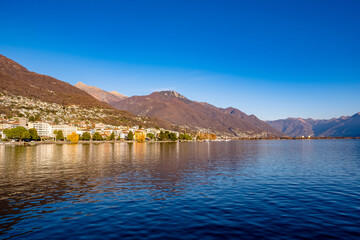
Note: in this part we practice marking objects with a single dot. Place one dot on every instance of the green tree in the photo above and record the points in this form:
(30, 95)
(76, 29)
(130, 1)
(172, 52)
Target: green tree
(130, 136)
(34, 134)
(25, 135)
(31, 119)
(185, 137)
(59, 135)
(56, 121)
(86, 136)
(162, 136)
(97, 137)
(112, 136)
(150, 136)
(172, 137)
(140, 126)
(15, 133)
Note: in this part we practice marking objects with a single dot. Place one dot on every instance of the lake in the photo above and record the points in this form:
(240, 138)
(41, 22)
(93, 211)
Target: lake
(280, 189)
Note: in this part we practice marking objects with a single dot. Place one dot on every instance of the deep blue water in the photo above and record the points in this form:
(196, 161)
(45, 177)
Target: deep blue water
(220, 190)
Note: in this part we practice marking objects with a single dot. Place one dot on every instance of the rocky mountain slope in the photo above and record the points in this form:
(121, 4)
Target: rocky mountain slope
(101, 95)
(17, 80)
(336, 127)
(173, 107)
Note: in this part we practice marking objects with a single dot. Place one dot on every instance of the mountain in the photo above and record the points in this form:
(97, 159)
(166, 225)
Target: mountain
(254, 120)
(173, 107)
(119, 95)
(293, 127)
(17, 80)
(101, 95)
(335, 127)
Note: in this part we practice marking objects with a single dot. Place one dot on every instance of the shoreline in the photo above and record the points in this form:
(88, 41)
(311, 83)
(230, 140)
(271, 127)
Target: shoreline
(125, 141)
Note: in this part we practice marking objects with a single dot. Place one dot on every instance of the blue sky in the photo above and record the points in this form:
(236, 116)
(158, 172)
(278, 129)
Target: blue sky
(274, 59)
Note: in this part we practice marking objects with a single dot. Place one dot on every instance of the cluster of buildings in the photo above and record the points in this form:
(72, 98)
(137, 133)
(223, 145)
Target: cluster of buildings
(55, 117)
(47, 130)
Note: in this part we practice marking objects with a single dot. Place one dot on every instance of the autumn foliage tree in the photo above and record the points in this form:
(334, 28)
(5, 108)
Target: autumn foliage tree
(73, 137)
(141, 138)
(212, 137)
(205, 136)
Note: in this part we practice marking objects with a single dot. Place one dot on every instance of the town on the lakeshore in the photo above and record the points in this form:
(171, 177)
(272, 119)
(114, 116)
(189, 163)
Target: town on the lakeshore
(21, 128)
(34, 120)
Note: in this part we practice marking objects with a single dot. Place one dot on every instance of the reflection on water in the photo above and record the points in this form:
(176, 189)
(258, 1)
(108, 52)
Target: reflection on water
(251, 189)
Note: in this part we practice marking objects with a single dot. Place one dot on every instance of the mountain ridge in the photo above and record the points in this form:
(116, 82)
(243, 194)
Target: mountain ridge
(344, 126)
(18, 80)
(100, 94)
(176, 108)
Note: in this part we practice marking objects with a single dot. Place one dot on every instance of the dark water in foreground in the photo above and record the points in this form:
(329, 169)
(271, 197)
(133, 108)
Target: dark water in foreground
(224, 190)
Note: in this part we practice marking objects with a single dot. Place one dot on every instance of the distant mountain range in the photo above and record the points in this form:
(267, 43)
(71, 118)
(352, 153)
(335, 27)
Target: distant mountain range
(336, 127)
(175, 108)
(170, 106)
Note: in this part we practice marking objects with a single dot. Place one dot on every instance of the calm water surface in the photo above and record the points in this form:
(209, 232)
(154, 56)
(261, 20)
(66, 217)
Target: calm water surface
(218, 190)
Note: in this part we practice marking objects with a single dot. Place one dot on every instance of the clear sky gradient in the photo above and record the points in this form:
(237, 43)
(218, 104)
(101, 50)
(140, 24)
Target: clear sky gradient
(274, 59)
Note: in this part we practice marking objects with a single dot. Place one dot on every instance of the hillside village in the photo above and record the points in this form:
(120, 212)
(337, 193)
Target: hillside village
(50, 118)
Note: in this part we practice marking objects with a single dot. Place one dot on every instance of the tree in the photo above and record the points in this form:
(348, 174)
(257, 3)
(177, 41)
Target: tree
(162, 136)
(112, 136)
(151, 136)
(56, 121)
(59, 135)
(86, 136)
(185, 137)
(212, 136)
(140, 126)
(73, 137)
(25, 135)
(31, 119)
(97, 137)
(15, 133)
(172, 136)
(141, 138)
(130, 136)
(34, 134)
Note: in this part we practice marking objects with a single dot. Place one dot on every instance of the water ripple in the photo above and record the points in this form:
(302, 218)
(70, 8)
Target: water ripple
(232, 190)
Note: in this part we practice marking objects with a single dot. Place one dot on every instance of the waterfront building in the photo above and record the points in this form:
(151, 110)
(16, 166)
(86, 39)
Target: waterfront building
(44, 129)
(66, 129)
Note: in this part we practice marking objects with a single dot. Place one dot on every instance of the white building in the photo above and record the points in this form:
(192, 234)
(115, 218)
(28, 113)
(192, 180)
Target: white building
(5, 125)
(2, 134)
(66, 129)
(43, 129)
(23, 122)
